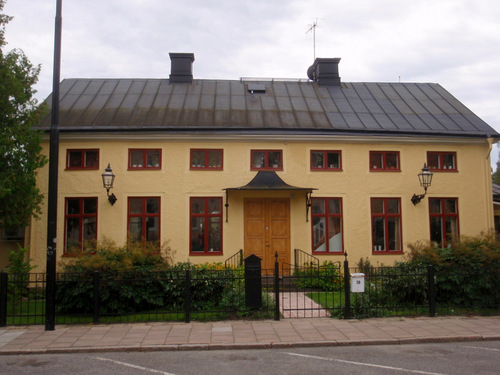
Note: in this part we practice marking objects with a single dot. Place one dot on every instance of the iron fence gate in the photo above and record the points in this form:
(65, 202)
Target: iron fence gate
(305, 289)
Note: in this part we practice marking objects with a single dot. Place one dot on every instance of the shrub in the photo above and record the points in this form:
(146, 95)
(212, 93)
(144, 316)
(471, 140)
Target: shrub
(365, 266)
(467, 272)
(403, 284)
(129, 279)
(133, 279)
(19, 267)
(208, 284)
(325, 277)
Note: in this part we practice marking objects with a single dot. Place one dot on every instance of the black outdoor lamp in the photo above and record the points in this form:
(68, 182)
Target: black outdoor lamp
(108, 178)
(425, 178)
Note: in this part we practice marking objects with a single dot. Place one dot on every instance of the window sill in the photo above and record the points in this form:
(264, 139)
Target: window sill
(266, 169)
(328, 253)
(205, 253)
(326, 170)
(81, 169)
(144, 169)
(206, 169)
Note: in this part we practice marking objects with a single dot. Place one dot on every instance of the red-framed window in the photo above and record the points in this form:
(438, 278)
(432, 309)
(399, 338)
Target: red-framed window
(143, 220)
(205, 218)
(322, 160)
(442, 161)
(144, 158)
(82, 159)
(266, 160)
(80, 224)
(327, 225)
(386, 225)
(443, 217)
(208, 159)
(384, 161)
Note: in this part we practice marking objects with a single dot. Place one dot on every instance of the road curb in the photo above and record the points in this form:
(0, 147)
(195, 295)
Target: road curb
(247, 346)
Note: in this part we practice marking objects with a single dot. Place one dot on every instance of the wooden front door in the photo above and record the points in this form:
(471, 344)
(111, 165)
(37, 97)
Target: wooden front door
(267, 229)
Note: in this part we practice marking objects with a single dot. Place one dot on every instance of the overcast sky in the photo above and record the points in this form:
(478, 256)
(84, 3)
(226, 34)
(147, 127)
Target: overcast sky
(455, 43)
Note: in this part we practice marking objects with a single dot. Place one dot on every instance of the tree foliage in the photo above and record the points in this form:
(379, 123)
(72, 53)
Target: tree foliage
(495, 176)
(20, 149)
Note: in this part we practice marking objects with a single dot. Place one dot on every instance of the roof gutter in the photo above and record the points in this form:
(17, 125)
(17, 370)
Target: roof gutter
(277, 131)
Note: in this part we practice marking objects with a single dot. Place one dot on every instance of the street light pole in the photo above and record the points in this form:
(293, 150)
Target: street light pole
(50, 288)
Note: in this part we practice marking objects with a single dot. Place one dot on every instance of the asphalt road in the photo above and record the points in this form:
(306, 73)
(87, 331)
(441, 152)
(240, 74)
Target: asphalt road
(464, 358)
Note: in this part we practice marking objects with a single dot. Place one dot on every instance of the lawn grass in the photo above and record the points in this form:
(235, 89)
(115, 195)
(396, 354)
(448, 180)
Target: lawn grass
(328, 300)
(32, 312)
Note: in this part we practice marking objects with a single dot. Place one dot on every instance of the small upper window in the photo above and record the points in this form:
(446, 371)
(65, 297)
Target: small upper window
(82, 159)
(384, 161)
(442, 161)
(144, 159)
(206, 159)
(326, 160)
(266, 160)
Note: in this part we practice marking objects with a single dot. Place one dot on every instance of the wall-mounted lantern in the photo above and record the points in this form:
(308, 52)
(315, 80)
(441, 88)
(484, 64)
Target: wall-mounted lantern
(108, 178)
(425, 178)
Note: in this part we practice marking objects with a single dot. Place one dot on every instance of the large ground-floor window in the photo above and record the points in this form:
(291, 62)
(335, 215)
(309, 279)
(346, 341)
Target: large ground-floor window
(80, 224)
(144, 220)
(327, 225)
(386, 225)
(205, 225)
(443, 217)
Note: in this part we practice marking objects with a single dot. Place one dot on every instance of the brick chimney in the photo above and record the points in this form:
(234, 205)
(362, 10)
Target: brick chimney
(181, 67)
(325, 71)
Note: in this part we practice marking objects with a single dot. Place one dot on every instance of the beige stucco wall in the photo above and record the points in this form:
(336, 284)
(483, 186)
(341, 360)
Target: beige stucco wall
(355, 184)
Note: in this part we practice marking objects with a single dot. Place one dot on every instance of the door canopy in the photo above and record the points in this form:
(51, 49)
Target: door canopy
(269, 180)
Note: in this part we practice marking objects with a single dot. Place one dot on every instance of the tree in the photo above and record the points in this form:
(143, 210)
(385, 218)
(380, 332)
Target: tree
(495, 176)
(20, 145)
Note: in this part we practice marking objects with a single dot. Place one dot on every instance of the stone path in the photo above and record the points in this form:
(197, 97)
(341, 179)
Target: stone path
(298, 305)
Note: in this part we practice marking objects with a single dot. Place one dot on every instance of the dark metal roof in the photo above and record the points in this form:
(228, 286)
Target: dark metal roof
(268, 180)
(283, 106)
(496, 192)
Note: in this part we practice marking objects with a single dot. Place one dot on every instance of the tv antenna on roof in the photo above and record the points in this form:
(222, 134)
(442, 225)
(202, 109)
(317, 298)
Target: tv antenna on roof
(313, 29)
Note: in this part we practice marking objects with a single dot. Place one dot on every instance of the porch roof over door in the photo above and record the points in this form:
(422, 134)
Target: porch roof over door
(269, 180)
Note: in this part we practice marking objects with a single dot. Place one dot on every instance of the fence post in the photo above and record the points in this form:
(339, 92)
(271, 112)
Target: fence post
(432, 290)
(97, 306)
(4, 279)
(347, 289)
(187, 297)
(276, 288)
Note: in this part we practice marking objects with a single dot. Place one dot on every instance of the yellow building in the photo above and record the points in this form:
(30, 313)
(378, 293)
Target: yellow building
(267, 166)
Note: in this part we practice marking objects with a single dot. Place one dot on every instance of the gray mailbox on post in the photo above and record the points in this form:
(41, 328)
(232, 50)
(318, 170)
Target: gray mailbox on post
(253, 281)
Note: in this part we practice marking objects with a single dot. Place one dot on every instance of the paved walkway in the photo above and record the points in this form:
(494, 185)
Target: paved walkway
(298, 305)
(244, 334)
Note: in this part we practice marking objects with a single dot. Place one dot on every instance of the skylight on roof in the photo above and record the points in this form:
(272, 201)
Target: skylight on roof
(256, 88)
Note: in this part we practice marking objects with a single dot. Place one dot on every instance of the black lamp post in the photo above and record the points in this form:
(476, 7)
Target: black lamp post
(425, 178)
(108, 178)
(50, 289)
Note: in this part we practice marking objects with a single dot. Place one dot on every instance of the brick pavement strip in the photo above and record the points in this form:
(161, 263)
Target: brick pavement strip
(246, 334)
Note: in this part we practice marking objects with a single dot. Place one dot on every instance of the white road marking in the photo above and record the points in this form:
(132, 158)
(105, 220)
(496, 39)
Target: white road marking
(134, 366)
(481, 348)
(365, 364)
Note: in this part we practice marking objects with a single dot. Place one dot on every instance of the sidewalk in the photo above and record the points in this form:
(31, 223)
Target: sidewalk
(245, 334)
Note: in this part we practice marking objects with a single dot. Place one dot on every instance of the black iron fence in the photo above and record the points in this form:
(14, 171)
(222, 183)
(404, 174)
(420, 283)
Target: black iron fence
(289, 291)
